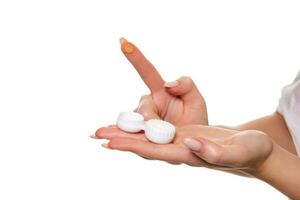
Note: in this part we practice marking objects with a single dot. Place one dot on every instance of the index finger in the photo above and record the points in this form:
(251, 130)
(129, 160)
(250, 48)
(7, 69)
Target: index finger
(144, 67)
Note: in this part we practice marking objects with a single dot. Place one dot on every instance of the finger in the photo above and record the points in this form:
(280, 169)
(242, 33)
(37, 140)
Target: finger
(109, 126)
(94, 136)
(146, 70)
(214, 153)
(169, 152)
(205, 149)
(115, 132)
(147, 108)
(186, 89)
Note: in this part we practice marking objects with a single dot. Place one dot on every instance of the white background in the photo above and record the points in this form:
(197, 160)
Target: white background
(62, 76)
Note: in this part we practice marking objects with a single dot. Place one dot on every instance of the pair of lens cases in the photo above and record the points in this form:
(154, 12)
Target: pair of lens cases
(157, 131)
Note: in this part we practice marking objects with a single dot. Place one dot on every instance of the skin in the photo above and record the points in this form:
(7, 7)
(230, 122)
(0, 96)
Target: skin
(262, 148)
(180, 104)
(222, 148)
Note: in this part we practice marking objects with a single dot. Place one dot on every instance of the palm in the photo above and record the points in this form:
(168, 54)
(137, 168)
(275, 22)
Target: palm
(226, 148)
(223, 149)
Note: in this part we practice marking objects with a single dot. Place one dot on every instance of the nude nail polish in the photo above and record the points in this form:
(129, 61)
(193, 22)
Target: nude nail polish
(193, 144)
(93, 136)
(105, 145)
(171, 84)
(122, 40)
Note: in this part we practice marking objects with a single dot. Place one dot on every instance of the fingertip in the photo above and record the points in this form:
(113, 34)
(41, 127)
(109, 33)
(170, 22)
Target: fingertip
(187, 80)
(126, 46)
(98, 132)
(144, 67)
(122, 40)
(104, 132)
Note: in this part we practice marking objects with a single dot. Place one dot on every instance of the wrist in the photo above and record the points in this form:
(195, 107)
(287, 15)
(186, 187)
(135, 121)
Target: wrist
(264, 168)
(280, 170)
(263, 164)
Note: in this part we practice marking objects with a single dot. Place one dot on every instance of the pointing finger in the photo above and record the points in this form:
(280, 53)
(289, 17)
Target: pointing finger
(144, 67)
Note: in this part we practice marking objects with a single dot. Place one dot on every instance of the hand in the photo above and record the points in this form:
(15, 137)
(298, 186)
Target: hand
(178, 102)
(196, 145)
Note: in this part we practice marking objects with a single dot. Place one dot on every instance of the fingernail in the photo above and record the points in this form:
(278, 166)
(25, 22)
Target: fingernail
(93, 136)
(126, 46)
(193, 144)
(171, 84)
(105, 145)
(122, 40)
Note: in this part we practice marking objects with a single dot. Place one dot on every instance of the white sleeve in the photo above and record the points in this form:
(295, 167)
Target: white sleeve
(289, 108)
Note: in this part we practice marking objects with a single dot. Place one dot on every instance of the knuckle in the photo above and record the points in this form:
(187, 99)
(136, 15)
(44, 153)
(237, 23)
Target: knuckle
(187, 82)
(214, 158)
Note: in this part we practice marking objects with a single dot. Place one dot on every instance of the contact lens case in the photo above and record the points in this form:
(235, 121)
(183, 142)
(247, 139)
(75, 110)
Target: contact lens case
(157, 131)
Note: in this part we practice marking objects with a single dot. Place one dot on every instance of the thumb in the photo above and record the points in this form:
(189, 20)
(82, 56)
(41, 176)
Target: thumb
(213, 153)
(186, 89)
(205, 149)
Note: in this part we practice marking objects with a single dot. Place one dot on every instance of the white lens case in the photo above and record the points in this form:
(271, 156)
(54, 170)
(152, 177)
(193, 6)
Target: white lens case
(157, 131)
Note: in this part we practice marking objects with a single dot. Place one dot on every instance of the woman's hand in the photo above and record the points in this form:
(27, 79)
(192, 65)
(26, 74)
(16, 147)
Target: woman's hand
(178, 102)
(181, 103)
(197, 145)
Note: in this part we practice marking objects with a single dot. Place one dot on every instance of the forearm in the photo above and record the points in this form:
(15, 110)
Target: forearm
(282, 171)
(273, 125)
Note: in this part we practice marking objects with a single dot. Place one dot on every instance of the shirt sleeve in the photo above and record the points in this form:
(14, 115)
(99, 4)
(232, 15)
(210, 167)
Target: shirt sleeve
(289, 108)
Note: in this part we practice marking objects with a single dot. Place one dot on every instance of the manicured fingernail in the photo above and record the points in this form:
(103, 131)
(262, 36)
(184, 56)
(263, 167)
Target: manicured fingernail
(171, 84)
(93, 136)
(126, 46)
(193, 144)
(122, 40)
(105, 145)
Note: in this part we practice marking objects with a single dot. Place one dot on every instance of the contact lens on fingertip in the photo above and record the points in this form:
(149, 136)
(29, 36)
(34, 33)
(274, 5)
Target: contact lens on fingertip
(157, 131)
(126, 46)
